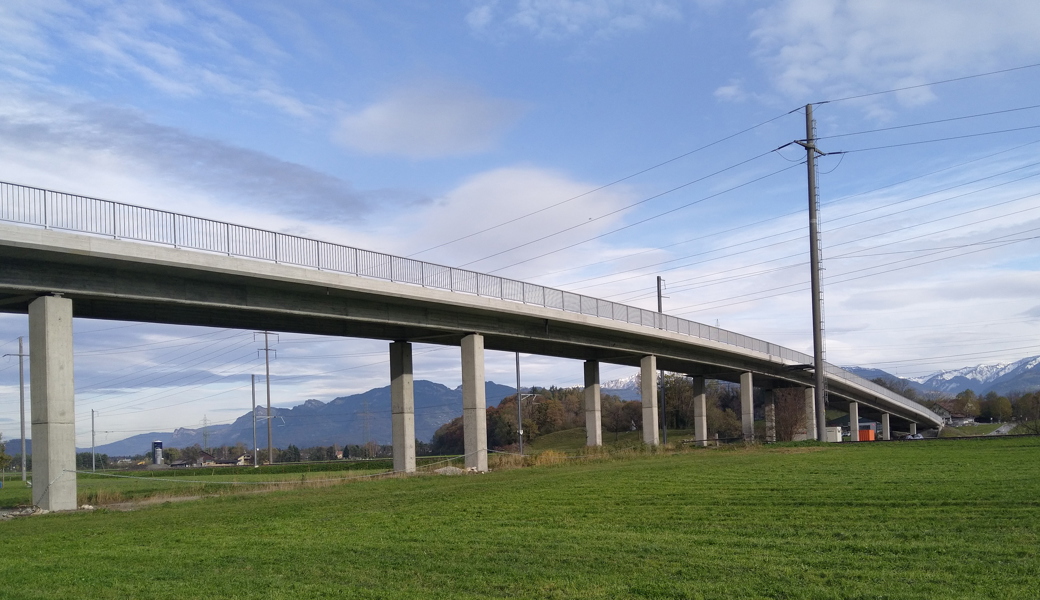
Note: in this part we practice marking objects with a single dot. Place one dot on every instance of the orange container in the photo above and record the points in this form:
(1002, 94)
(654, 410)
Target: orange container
(866, 435)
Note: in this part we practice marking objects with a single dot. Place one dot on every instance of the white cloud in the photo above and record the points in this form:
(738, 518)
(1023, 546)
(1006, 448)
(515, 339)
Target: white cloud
(731, 92)
(841, 46)
(493, 197)
(429, 120)
(569, 18)
(95, 149)
(183, 49)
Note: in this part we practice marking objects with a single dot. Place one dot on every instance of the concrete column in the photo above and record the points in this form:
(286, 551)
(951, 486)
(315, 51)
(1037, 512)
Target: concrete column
(700, 412)
(886, 430)
(854, 421)
(474, 405)
(593, 414)
(747, 406)
(810, 415)
(913, 428)
(402, 407)
(648, 388)
(770, 407)
(53, 403)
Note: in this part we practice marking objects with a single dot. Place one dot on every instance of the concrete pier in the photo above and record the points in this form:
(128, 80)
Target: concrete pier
(886, 429)
(474, 405)
(593, 409)
(648, 389)
(747, 407)
(810, 414)
(913, 428)
(53, 403)
(402, 407)
(854, 421)
(700, 412)
(770, 410)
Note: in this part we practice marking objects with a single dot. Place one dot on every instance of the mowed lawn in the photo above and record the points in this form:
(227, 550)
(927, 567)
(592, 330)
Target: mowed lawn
(926, 519)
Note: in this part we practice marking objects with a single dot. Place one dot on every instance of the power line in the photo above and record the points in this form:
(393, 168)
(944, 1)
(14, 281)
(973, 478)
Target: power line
(845, 198)
(893, 128)
(616, 211)
(945, 139)
(646, 220)
(831, 231)
(592, 191)
(921, 85)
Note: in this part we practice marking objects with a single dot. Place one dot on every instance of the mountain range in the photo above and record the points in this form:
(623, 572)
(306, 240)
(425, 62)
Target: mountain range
(345, 420)
(1003, 378)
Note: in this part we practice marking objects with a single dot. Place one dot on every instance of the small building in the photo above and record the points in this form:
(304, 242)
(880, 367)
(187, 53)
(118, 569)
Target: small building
(950, 415)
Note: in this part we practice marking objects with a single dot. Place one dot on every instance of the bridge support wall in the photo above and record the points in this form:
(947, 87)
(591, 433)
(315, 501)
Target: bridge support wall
(700, 412)
(810, 414)
(474, 405)
(853, 421)
(593, 410)
(53, 403)
(648, 391)
(913, 428)
(747, 406)
(886, 428)
(770, 410)
(402, 406)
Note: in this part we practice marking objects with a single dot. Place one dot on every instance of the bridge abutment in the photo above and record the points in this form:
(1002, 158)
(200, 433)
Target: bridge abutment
(593, 408)
(747, 406)
(474, 405)
(53, 403)
(402, 406)
(648, 393)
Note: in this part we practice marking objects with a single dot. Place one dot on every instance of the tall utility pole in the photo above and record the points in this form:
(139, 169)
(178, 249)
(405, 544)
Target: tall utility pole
(93, 464)
(21, 396)
(267, 373)
(252, 381)
(660, 375)
(814, 261)
(519, 412)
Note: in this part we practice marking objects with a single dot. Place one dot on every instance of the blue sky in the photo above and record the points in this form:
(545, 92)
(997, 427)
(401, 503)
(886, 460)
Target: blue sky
(402, 126)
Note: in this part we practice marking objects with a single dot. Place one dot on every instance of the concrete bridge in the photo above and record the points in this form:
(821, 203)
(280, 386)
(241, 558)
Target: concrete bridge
(66, 256)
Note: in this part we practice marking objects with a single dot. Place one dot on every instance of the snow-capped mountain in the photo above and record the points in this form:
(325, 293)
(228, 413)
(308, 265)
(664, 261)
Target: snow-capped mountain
(626, 388)
(1019, 376)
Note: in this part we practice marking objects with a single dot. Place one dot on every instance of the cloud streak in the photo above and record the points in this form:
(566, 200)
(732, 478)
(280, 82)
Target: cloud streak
(835, 47)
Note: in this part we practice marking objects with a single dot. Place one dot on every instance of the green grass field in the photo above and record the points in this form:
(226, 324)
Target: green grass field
(925, 519)
(970, 430)
(116, 486)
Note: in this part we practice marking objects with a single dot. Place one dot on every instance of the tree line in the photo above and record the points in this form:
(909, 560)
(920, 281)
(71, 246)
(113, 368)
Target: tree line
(547, 410)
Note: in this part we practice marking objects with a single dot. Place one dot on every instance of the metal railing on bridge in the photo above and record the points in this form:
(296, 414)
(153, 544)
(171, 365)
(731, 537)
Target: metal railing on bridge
(58, 210)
